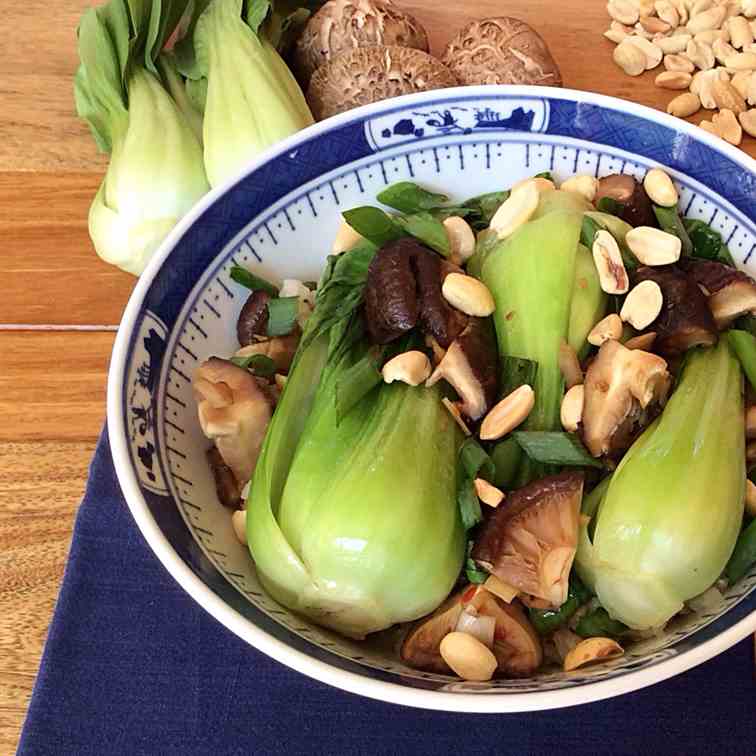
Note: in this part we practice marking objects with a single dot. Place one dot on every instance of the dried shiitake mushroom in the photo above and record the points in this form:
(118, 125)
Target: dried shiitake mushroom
(371, 74)
(501, 51)
(344, 25)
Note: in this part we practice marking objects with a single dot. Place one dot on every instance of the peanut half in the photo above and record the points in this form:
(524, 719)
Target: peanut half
(673, 80)
(468, 295)
(684, 105)
(629, 58)
(488, 493)
(517, 209)
(642, 305)
(505, 416)
(660, 189)
(608, 329)
(412, 368)
(748, 122)
(468, 657)
(608, 260)
(584, 185)
(461, 239)
(652, 246)
(571, 411)
(678, 63)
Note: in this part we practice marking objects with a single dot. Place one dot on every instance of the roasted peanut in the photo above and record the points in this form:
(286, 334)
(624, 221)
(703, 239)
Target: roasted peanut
(586, 186)
(461, 239)
(412, 368)
(608, 260)
(660, 189)
(468, 657)
(684, 105)
(678, 63)
(517, 209)
(488, 493)
(592, 650)
(642, 305)
(505, 416)
(468, 295)
(571, 411)
(726, 125)
(630, 58)
(673, 80)
(748, 122)
(239, 524)
(652, 246)
(607, 329)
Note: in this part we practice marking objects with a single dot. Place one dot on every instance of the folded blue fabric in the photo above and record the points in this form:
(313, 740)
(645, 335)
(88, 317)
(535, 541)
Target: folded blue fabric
(133, 666)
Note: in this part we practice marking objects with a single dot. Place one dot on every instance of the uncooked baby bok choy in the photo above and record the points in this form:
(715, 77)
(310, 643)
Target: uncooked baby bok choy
(352, 519)
(155, 173)
(249, 97)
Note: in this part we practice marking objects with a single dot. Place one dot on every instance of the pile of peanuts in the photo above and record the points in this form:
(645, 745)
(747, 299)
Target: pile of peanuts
(708, 51)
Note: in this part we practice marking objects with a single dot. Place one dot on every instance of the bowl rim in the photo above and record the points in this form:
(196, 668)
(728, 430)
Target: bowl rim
(488, 702)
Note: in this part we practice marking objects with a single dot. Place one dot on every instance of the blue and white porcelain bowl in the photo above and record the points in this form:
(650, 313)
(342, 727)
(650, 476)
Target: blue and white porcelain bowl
(278, 218)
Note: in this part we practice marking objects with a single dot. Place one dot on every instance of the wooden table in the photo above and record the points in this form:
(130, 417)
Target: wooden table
(60, 304)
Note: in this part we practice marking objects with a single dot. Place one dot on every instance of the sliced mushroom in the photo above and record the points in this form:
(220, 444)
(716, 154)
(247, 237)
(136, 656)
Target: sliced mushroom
(225, 483)
(421, 647)
(233, 411)
(621, 385)
(731, 292)
(280, 349)
(253, 318)
(685, 320)
(516, 646)
(530, 543)
(638, 210)
(469, 365)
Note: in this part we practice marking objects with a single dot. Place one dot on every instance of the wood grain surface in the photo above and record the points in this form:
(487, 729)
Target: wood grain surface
(52, 382)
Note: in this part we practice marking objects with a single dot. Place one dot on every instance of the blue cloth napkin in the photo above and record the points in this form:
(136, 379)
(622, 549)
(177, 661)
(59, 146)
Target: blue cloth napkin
(133, 666)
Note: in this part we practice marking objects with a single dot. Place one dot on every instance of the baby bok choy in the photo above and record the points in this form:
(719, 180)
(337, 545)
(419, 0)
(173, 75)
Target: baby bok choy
(665, 524)
(155, 173)
(532, 275)
(249, 97)
(352, 518)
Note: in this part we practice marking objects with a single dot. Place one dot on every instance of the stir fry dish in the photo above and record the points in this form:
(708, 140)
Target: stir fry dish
(517, 427)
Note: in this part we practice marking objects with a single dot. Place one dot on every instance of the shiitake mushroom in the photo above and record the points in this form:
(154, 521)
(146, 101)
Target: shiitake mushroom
(501, 51)
(344, 25)
(370, 74)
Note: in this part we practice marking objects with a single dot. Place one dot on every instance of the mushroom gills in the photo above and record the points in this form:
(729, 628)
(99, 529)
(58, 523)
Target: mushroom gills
(531, 542)
(623, 389)
(469, 365)
(234, 411)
